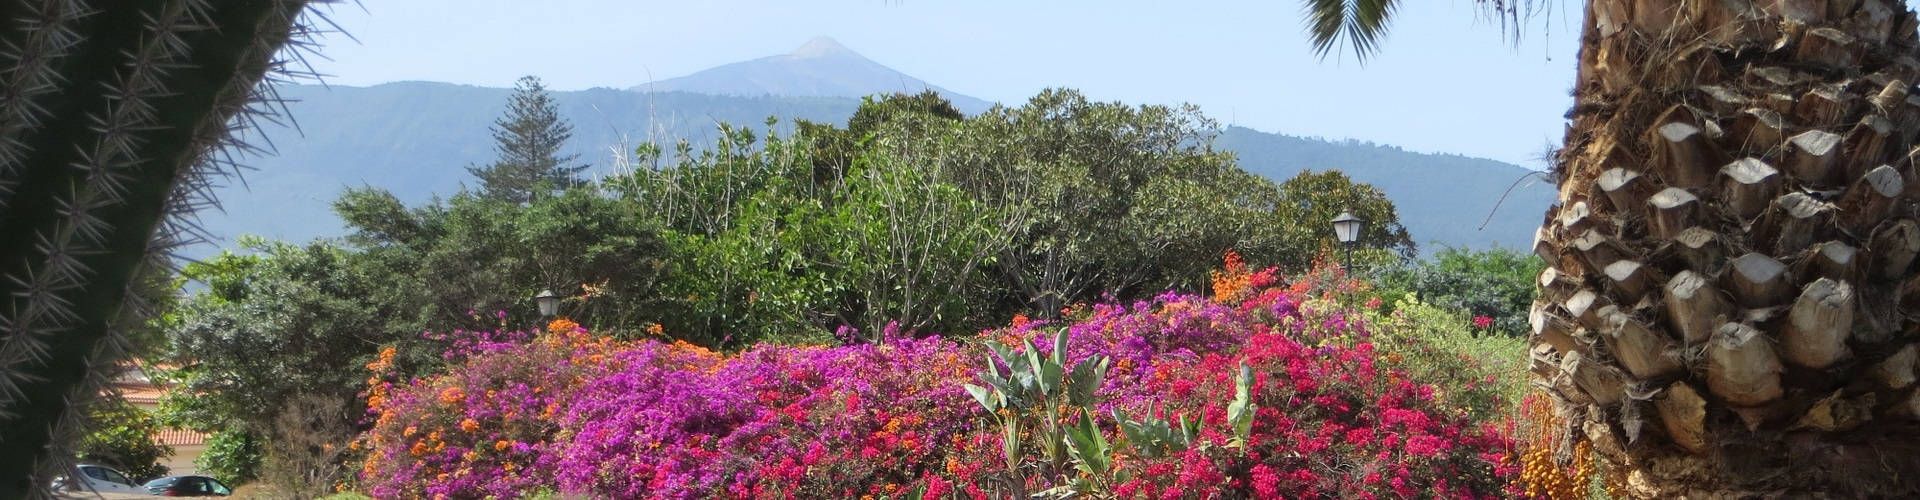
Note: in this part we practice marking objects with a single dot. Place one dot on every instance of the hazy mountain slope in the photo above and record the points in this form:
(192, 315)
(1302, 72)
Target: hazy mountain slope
(822, 67)
(417, 138)
(1441, 198)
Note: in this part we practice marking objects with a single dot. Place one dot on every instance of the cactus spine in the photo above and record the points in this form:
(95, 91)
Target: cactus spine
(114, 119)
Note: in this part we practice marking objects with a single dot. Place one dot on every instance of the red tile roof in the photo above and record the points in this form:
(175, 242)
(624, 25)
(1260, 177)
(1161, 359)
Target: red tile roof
(142, 395)
(176, 437)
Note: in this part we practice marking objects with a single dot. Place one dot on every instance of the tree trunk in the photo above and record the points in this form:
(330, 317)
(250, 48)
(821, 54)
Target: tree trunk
(1736, 227)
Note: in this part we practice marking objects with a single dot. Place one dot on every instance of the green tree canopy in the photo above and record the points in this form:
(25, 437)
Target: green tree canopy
(474, 255)
(281, 320)
(1311, 200)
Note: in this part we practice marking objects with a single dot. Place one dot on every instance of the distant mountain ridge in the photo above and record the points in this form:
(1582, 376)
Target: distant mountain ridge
(416, 138)
(1448, 199)
(820, 68)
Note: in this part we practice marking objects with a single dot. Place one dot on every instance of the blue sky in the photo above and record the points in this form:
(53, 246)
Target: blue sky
(1446, 81)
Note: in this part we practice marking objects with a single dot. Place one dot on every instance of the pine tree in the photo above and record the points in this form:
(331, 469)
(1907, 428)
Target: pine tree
(528, 138)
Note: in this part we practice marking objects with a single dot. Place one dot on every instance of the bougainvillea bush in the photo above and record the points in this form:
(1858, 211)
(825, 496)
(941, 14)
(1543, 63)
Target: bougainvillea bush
(1322, 412)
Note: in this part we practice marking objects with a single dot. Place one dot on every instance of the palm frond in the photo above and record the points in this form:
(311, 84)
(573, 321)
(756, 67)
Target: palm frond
(1361, 23)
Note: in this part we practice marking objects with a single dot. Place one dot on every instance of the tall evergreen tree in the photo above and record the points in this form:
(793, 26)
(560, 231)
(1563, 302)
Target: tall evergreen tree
(528, 138)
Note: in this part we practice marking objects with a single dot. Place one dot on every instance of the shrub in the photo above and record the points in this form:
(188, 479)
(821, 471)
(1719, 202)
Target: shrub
(1317, 410)
(1485, 374)
(233, 456)
(1495, 284)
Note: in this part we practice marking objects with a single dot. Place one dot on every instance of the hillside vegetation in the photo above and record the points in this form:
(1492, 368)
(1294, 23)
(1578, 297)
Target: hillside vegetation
(415, 139)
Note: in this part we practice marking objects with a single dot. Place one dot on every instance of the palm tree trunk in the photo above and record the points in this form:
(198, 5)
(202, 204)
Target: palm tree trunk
(1727, 306)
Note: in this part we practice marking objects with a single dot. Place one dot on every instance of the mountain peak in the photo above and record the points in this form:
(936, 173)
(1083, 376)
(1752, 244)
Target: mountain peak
(822, 46)
(820, 68)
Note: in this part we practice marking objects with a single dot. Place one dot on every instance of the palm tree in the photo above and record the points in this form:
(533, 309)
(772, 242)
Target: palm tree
(1729, 306)
(114, 117)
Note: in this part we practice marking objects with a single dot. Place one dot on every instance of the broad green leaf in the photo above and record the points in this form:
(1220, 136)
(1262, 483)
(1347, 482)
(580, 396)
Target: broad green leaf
(1240, 411)
(984, 396)
(1085, 380)
(1090, 449)
(1060, 347)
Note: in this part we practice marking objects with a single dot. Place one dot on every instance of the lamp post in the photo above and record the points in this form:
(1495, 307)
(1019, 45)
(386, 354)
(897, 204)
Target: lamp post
(1346, 228)
(548, 303)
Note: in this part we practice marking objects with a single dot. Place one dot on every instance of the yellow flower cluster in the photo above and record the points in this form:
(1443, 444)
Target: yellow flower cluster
(1541, 476)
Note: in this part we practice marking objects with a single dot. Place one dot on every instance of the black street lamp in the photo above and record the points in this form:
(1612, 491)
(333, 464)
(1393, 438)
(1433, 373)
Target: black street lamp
(1346, 228)
(548, 303)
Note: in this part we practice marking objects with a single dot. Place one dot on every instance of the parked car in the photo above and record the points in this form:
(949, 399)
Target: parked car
(97, 479)
(188, 486)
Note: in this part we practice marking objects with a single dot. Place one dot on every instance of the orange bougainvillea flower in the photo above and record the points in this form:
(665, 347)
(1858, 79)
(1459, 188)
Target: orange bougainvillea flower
(562, 326)
(1231, 279)
(469, 425)
(384, 362)
(452, 395)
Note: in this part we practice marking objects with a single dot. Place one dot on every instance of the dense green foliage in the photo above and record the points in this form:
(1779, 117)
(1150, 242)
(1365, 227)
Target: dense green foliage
(233, 456)
(1497, 284)
(916, 214)
(281, 321)
(474, 257)
(122, 438)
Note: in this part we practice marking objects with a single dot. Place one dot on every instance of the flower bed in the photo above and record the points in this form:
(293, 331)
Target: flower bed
(1323, 414)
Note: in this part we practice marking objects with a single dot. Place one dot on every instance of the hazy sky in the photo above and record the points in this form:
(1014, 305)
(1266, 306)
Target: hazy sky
(1446, 81)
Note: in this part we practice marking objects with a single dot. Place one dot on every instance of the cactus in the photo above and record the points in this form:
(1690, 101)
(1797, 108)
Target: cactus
(114, 120)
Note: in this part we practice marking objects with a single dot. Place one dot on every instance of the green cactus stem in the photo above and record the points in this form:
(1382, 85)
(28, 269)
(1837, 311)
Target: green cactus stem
(114, 116)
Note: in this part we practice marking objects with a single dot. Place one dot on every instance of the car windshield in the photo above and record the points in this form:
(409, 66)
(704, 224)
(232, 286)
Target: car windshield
(115, 476)
(162, 482)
